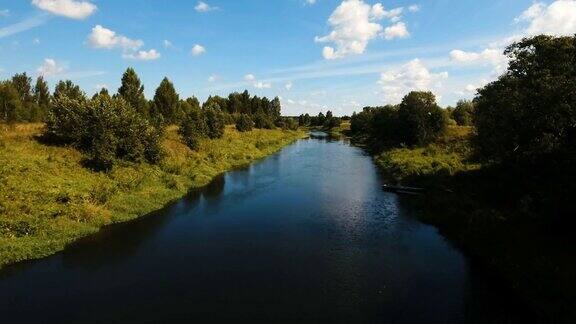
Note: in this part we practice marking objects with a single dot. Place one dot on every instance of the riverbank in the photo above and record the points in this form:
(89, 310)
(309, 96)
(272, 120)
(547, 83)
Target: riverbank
(48, 199)
(480, 208)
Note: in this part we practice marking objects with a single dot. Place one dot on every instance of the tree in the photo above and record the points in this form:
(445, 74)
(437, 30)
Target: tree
(70, 90)
(263, 121)
(420, 118)
(10, 103)
(193, 128)
(23, 84)
(275, 107)
(304, 120)
(167, 102)
(41, 99)
(244, 123)
(132, 91)
(463, 113)
(215, 123)
(530, 111)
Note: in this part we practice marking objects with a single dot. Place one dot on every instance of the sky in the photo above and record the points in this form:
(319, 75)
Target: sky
(313, 54)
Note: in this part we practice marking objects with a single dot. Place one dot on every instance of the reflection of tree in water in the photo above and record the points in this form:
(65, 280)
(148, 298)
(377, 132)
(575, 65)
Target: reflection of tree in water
(215, 188)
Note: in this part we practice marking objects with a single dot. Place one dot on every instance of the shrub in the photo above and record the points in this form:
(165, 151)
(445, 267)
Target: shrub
(244, 123)
(263, 121)
(215, 123)
(193, 128)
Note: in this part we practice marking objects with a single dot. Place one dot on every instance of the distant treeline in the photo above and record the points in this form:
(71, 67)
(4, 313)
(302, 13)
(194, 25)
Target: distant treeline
(525, 123)
(327, 121)
(126, 125)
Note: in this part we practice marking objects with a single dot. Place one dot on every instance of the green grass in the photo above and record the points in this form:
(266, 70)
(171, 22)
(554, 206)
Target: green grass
(48, 200)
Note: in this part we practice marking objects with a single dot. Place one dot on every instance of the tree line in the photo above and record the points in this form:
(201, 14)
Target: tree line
(125, 125)
(524, 123)
(327, 121)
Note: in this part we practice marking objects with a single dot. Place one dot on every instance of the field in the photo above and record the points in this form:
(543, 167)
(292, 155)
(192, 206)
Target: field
(48, 199)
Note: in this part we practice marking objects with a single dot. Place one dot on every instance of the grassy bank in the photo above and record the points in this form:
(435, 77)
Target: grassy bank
(480, 208)
(47, 199)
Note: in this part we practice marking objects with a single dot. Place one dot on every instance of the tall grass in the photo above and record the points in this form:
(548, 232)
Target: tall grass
(47, 199)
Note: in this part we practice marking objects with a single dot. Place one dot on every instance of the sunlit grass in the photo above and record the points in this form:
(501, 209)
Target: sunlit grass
(47, 199)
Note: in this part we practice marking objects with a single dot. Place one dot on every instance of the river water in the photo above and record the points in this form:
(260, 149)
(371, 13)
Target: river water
(304, 235)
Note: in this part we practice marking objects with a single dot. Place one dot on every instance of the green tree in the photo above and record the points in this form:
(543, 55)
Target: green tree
(132, 91)
(10, 103)
(463, 113)
(70, 90)
(215, 123)
(193, 128)
(421, 119)
(41, 99)
(244, 123)
(530, 111)
(167, 102)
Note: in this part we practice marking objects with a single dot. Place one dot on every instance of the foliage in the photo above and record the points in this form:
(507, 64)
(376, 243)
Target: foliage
(105, 128)
(304, 120)
(530, 111)
(70, 90)
(167, 102)
(420, 119)
(11, 109)
(214, 122)
(132, 91)
(193, 128)
(244, 123)
(263, 121)
(463, 113)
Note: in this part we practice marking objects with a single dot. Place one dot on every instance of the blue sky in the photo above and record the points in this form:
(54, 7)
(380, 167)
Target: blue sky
(315, 55)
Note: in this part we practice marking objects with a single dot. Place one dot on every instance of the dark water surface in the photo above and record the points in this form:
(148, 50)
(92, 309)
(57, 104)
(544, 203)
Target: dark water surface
(305, 235)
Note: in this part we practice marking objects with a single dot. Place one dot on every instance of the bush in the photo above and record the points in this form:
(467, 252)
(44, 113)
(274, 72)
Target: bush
(106, 129)
(263, 121)
(193, 128)
(244, 123)
(215, 123)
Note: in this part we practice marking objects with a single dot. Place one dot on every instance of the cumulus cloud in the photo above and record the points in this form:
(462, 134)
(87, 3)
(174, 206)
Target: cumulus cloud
(355, 23)
(197, 50)
(397, 30)
(105, 38)
(143, 55)
(50, 68)
(558, 18)
(249, 77)
(204, 7)
(414, 75)
(68, 8)
(262, 85)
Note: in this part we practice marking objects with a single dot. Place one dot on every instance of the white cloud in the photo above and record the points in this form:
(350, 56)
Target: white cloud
(492, 56)
(198, 50)
(204, 7)
(414, 8)
(397, 30)
(355, 23)
(167, 44)
(143, 55)
(288, 85)
(249, 77)
(213, 78)
(558, 18)
(50, 68)
(99, 87)
(105, 38)
(414, 75)
(262, 85)
(4, 13)
(310, 2)
(36, 41)
(68, 8)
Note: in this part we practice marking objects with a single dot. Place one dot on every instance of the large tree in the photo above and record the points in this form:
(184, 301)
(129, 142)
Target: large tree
(41, 99)
(530, 111)
(10, 103)
(132, 91)
(420, 118)
(167, 102)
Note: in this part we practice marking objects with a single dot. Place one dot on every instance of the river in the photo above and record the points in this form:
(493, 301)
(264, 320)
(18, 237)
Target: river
(304, 235)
